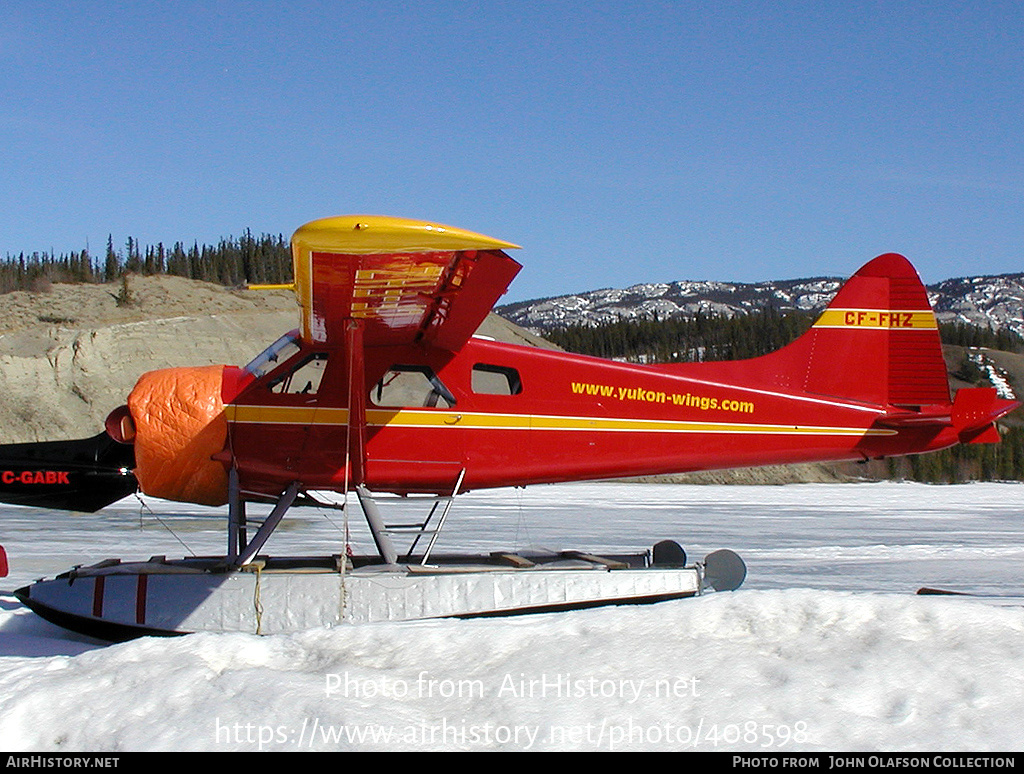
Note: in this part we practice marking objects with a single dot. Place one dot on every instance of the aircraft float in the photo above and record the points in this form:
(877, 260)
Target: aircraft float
(385, 388)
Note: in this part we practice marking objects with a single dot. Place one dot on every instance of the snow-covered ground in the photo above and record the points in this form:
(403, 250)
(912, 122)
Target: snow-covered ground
(825, 648)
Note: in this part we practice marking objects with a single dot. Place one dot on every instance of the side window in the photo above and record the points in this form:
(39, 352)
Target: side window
(496, 380)
(405, 385)
(304, 379)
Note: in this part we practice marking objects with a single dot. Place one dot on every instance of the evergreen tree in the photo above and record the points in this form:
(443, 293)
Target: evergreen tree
(112, 264)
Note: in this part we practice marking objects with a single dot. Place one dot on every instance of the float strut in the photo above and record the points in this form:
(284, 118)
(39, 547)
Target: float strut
(284, 502)
(377, 528)
(236, 517)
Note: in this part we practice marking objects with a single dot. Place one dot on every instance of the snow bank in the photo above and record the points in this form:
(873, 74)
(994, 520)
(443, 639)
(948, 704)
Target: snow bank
(758, 670)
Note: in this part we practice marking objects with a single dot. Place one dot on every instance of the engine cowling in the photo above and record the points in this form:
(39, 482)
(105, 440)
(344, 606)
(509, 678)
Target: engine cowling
(175, 419)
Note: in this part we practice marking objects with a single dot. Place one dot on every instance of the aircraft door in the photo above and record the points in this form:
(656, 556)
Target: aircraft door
(414, 428)
(286, 425)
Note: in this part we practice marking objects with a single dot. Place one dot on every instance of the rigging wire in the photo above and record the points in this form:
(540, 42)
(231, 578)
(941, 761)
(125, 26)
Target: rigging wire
(521, 521)
(144, 506)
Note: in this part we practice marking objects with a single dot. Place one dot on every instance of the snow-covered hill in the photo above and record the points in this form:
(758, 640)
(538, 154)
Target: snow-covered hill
(996, 302)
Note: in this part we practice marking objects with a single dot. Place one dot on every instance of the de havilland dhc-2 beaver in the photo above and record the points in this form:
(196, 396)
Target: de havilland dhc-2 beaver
(385, 388)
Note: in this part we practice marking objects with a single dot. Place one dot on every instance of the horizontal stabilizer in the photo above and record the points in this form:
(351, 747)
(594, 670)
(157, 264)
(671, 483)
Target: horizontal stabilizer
(930, 416)
(975, 409)
(972, 415)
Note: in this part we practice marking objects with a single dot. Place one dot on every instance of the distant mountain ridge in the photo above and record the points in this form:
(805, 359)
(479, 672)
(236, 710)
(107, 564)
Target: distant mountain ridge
(989, 301)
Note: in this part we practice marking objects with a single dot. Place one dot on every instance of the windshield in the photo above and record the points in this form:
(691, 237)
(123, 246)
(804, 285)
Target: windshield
(267, 360)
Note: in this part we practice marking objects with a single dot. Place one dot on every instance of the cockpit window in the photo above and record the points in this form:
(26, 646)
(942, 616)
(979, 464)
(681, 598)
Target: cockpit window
(274, 355)
(407, 385)
(304, 379)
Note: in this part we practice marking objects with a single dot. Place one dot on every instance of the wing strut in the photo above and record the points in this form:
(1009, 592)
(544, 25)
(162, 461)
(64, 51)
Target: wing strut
(356, 402)
(236, 517)
(357, 440)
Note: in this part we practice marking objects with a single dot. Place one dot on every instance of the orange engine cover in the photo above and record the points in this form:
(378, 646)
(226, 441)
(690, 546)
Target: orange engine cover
(179, 421)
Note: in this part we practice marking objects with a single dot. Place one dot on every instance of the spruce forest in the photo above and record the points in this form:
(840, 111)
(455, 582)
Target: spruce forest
(231, 262)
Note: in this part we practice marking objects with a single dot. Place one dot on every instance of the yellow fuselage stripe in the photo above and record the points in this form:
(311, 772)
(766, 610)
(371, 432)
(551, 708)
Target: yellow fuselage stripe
(411, 418)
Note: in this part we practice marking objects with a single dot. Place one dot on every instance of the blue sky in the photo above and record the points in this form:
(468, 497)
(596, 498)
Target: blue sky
(617, 142)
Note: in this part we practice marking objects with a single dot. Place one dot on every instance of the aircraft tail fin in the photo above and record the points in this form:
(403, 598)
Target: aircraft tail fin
(877, 342)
